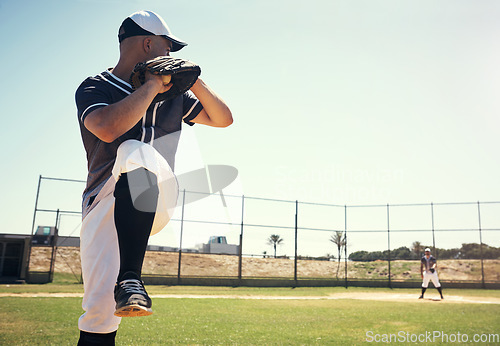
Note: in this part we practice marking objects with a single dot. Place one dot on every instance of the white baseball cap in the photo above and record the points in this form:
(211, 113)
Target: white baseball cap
(427, 249)
(148, 23)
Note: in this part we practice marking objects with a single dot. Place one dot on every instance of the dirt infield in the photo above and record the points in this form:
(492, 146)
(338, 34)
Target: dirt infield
(378, 296)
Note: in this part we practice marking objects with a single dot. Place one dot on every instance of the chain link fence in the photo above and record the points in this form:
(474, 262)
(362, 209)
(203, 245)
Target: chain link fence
(242, 237)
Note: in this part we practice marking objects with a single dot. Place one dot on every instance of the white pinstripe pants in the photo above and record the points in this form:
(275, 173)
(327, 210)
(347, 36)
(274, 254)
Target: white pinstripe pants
(428, 276)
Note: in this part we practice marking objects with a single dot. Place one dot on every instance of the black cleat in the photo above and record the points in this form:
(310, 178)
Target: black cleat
(421, 297)
(131, 297)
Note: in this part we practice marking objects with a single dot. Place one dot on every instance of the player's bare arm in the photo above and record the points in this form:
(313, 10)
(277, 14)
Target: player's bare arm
(110, 122)
(215, 111)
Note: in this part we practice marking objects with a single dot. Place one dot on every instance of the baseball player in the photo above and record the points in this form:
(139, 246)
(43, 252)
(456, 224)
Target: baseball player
(428, 273)
(131, 190)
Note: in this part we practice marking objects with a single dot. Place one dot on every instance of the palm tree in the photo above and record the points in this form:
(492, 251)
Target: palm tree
(274, 240)
(338, 238)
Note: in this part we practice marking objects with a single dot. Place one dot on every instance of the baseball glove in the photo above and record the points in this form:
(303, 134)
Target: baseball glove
(432, 270)
(182, 73)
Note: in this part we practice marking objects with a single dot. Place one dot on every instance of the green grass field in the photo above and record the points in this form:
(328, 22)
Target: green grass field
(53, 321)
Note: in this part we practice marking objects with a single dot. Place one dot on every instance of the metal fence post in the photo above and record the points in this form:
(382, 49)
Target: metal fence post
(433, 237)
(180, 241)
(36, 204)
(480, 243)
(296, 227)
(33, 226)
(389, 246)
(240, 252)
(54, 247)
(345, 244)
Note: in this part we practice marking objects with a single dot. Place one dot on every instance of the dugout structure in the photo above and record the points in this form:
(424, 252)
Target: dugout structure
(14, 254)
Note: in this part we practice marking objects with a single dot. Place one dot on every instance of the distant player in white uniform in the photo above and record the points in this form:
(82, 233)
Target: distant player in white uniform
(428, 273)
(131, 190)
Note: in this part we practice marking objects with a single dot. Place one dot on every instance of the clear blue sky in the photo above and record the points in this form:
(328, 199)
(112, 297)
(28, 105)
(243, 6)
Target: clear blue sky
(343, 102)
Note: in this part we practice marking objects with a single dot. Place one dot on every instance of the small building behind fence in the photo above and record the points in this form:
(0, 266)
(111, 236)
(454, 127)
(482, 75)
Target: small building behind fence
(218, 245)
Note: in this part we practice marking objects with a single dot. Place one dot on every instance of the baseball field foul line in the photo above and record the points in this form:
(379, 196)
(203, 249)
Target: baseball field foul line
(355, 296)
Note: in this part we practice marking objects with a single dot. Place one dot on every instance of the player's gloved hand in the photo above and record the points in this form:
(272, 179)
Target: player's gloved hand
(158, 80)
(181, 73)
(432, 270)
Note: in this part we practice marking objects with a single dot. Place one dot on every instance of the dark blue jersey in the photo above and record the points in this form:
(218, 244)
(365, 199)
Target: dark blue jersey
(160, 126)
(428, 263)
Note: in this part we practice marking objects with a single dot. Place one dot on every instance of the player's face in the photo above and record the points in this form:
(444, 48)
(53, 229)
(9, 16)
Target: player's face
(427, 253)
(160, 47)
